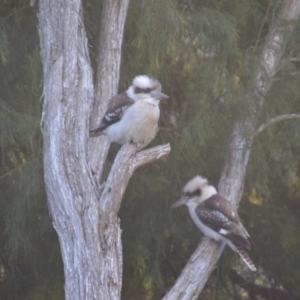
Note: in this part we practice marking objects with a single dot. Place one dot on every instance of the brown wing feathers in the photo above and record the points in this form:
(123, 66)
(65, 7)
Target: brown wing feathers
(218, 214)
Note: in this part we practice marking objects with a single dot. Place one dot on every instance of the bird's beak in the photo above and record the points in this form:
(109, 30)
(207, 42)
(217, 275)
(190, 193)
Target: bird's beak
(180, 202)
(159, 95)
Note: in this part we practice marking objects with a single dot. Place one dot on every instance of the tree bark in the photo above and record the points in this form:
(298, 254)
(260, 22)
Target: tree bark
(84, 216)
(199, 267)
(113, 19)
(68, 93)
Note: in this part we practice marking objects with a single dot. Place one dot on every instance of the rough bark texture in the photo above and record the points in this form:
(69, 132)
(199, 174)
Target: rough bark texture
(72, 196)
(193, 278)
(108, 71)
(188, 286)
(125, 163)
(84, 216)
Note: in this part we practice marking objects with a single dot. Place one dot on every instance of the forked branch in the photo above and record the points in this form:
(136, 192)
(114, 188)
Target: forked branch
(125, 163)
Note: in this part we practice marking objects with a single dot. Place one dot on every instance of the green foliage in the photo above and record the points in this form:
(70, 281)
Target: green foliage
(3, 42)
(204, 53)
(30, 255)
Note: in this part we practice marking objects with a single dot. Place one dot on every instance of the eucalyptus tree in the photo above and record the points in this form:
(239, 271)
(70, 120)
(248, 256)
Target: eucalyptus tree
(85, 213)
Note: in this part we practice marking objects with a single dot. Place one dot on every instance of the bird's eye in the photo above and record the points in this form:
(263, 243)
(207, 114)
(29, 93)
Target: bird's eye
(197, 192)
(147, 90)
(138, 90)
(193, 194)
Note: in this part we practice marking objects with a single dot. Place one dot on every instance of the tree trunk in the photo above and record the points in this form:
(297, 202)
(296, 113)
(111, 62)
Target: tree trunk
(199, 267)
(108, 72)
(84, 216)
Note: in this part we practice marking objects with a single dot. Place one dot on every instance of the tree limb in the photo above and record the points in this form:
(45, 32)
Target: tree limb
(274, 120)
(188, 286)
(125, 163)
(150, 155)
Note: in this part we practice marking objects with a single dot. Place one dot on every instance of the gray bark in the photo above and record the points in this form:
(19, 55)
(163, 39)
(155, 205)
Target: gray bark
(84, 216)
(199, 267)
(108, 72)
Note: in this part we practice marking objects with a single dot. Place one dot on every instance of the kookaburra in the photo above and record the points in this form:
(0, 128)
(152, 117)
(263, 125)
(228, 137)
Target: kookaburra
(133, 116)
(215, 216)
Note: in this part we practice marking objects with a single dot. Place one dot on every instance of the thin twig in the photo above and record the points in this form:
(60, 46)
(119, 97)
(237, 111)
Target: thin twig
(11, 171)
(262, 24)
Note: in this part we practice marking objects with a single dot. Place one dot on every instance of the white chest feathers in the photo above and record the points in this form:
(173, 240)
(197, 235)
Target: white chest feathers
(138, 124)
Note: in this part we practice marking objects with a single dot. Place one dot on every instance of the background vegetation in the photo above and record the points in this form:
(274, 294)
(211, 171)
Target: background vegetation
(203, 52)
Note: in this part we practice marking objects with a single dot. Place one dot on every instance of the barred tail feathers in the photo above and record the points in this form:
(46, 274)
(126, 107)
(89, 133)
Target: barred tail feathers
(245, 257)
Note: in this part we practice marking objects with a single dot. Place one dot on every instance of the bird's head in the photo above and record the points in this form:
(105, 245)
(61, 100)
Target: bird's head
(143, 87)
(195, 191)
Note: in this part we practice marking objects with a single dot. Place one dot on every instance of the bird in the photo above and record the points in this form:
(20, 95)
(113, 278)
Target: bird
(133, 116)
(215, 216)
